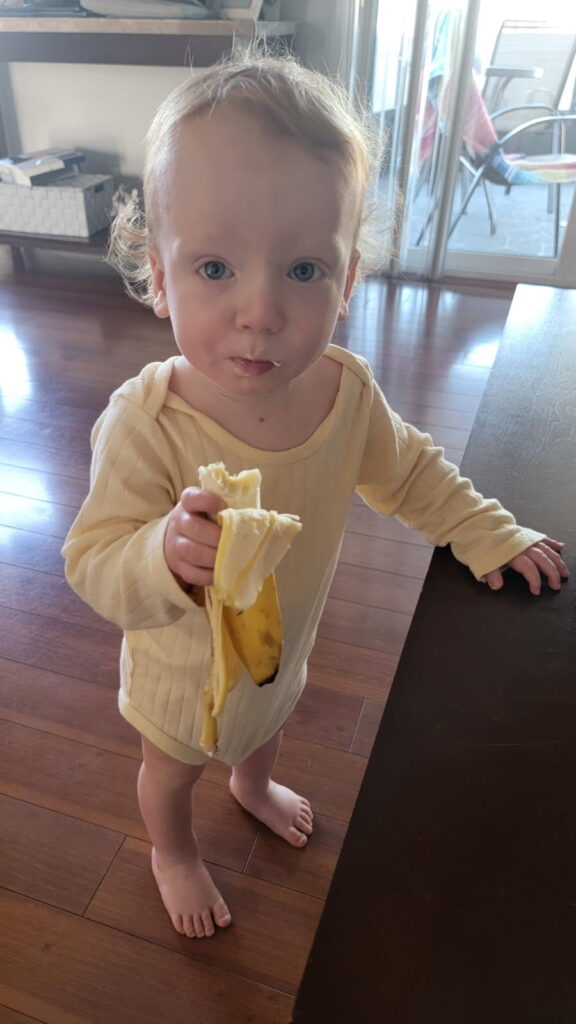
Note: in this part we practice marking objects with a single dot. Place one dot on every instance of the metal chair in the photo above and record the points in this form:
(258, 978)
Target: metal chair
(486, 159)
(529, 68)
(501, 168)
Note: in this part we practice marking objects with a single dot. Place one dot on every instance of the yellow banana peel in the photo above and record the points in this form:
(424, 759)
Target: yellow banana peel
(242, 604)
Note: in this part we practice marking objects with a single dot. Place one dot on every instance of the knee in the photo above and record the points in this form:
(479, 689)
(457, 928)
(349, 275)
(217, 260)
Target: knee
(159, 764)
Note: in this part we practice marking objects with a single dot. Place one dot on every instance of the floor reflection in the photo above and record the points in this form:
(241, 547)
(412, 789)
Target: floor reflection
(15, 385)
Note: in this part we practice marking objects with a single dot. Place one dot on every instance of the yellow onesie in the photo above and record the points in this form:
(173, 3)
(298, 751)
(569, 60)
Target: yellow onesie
(147, 447)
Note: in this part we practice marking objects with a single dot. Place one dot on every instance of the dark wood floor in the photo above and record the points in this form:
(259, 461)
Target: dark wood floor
(83, 937)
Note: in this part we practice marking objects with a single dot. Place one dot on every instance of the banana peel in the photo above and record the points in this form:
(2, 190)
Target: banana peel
(242, 604)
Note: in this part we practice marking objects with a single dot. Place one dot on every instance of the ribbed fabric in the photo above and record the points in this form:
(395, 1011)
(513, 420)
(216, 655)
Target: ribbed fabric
(147, 447)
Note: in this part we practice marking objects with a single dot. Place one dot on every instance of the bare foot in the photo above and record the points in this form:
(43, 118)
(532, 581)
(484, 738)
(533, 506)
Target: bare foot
(282, 810)
(192, 900)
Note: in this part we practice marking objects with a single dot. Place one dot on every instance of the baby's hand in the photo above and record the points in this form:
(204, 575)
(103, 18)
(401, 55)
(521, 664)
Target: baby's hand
(191, 538)
(541, 558)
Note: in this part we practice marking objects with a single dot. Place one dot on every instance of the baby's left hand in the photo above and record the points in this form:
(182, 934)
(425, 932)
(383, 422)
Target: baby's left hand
(541, 558)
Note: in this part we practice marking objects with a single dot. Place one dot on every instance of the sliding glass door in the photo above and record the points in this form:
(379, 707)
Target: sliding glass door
(450, 86)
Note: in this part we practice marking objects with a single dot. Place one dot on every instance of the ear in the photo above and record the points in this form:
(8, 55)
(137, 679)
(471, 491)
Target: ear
(348, 285)
(160, 302)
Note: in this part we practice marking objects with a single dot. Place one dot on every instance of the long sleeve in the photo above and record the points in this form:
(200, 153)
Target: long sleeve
(404, 475)
(114, 551)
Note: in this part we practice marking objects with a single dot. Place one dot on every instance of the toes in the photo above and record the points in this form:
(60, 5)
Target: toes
(188, 927)
(199, 926)
(304, 821)
(296, 838)
(221, 914)
(208, 923)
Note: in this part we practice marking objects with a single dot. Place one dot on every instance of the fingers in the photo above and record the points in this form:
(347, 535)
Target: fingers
(546, 557)
(541, 559)
(191, 539)
(557, 545)
(552, 549)
(194, 500)
(494, 579)
(528, 569)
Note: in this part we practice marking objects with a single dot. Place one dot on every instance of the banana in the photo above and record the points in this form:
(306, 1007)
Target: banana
(256, 634)
(242, 604)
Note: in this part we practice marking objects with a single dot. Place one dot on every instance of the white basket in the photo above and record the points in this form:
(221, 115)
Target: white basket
(75, 205)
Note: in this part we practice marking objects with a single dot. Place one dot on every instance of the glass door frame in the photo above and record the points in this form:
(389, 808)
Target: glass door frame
(435, 261)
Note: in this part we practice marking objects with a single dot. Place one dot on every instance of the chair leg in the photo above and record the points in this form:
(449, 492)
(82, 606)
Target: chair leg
(490, 207)
(425, 227)
(556, 219)
(475, 182)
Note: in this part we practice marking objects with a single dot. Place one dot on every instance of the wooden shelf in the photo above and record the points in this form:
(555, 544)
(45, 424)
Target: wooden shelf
(159, 42)
(168, 42)
(95, 244)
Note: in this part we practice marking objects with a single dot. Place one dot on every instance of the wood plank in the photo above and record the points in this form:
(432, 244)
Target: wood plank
(322, 716)
(379, 553)
(58, 646)
(44, 517)
(63, 461)
(8, 1016)
(51, 857)
(329, 778)
(98, 786)
(128, 901)
(44, 593)
(437, 396)
(363, 519)
(47, 415)
(308, 870)
(348, 668)
(458, 382)
(373, 587)
(358, 624)
(64, 437)
(430, 417)
(31, 483)
(367, 727)
(436, 365)
(64, 969)
(65, 706)
(33, 550)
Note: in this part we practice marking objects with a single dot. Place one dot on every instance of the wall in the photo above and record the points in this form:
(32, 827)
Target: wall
(105, 110)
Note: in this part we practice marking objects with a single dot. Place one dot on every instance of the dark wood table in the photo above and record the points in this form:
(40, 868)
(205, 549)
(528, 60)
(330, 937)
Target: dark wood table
(454, 899)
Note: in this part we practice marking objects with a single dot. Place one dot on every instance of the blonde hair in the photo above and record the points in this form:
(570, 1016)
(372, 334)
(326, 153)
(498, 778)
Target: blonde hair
(293, 101)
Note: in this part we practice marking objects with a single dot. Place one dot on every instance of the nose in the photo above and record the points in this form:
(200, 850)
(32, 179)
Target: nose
(259, 307)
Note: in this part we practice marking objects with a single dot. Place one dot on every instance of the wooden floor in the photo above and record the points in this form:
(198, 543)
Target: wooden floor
(83, 936)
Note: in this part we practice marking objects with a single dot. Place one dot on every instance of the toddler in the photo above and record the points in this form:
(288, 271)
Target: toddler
(255, 187)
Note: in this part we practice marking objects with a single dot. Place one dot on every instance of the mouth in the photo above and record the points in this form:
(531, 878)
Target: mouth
(253, 367)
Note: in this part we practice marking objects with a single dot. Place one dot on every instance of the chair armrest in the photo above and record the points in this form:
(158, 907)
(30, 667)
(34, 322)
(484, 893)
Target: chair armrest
(561, 119)
(524, 106)
(493, 71)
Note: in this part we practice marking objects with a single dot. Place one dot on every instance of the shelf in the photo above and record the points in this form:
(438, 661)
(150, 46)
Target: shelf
(168, 42)
(159, 42)
(94, 244)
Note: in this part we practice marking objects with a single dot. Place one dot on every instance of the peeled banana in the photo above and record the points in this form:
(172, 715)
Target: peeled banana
(242, 604)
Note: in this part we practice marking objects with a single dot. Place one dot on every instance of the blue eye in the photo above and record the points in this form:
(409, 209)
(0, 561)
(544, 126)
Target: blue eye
(305, 271)
(214, 270)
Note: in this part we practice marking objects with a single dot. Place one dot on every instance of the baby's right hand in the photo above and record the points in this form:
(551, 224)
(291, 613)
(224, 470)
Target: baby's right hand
(191, 538)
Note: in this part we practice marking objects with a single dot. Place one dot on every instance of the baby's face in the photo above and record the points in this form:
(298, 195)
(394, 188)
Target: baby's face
(252, 251)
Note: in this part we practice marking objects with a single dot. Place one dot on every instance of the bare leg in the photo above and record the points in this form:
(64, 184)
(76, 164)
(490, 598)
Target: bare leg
(164, 792)
(286, 813)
